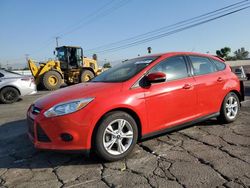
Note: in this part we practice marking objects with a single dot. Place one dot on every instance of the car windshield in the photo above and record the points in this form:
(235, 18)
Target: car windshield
(124, 71)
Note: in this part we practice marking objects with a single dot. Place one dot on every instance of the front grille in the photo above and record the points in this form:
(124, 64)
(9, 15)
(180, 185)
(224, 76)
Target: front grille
(41, 135)
(30, 123)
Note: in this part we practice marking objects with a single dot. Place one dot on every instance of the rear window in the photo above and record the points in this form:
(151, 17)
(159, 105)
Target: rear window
(220, 66)
(11, 72)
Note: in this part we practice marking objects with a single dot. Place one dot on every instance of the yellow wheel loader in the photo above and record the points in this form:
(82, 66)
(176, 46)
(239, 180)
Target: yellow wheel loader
(70, 68)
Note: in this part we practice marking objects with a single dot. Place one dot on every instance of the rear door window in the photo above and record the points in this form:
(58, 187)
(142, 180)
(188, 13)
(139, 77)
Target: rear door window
(174, 68)
(202, 65)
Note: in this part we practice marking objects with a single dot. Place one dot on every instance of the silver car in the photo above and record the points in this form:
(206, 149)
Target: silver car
(14, 85)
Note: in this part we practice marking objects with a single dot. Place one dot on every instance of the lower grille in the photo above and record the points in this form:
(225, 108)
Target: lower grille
(41, 135)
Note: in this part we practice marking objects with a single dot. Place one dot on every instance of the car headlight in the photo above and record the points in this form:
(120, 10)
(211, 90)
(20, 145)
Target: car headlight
(67, 107)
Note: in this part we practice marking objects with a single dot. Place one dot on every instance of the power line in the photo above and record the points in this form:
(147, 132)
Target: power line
(170, 27)
(85, 18)
(170, 33)
(165, 27)
(89, 19)
(167, 33)
(97, 15)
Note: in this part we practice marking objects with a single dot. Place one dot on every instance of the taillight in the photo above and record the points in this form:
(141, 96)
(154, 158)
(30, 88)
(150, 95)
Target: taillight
(28, 79)
(25, 79)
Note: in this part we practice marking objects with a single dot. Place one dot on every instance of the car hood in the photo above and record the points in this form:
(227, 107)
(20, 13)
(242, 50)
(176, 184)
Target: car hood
(83, 90)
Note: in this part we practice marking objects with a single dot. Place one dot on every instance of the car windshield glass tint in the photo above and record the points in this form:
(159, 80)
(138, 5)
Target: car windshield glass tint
(125, 70)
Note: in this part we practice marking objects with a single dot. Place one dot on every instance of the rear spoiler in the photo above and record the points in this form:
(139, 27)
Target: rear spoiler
(219, 58)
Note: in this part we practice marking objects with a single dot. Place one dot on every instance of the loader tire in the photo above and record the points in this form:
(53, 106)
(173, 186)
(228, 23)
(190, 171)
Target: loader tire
(51, 80)
(86, 75)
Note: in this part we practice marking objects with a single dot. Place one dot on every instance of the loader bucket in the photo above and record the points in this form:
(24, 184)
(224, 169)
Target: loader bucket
(33, 68)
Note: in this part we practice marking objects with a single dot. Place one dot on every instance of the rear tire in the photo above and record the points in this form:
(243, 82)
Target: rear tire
(51, 80)
(230, 108)
(9, 95)
(86, 75)
(116, 136)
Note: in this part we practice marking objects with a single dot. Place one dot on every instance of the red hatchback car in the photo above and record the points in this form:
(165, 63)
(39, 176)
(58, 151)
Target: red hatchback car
(136, 99)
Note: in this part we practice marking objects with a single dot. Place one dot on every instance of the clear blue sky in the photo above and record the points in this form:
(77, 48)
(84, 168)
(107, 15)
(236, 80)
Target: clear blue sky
(29, 27)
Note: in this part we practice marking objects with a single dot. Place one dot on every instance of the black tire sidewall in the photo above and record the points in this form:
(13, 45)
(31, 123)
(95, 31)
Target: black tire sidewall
(223, 114)
(7, 89)
(108, 118)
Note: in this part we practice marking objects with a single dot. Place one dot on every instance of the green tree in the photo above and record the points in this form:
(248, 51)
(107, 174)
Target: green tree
(107, 65)
(241, 53)
(224, 53)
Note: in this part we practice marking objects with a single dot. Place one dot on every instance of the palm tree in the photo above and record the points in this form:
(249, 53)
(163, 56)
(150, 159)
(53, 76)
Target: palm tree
(149, 50)
(241, 53)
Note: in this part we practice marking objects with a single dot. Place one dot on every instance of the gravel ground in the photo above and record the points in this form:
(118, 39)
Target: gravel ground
(206, 155)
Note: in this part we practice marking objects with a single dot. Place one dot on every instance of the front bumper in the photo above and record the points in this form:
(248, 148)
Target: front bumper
(46, 133)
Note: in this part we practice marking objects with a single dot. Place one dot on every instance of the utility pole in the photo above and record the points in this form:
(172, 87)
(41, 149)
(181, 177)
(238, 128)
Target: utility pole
(27, 56)
(57, 41)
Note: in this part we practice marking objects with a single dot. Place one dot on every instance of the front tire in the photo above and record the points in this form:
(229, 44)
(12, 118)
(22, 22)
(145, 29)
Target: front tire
(116, 136)
(51, 80)
(9, 95)
(230, 108)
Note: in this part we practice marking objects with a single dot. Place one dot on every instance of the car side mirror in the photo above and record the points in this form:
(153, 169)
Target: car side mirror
(156, 77)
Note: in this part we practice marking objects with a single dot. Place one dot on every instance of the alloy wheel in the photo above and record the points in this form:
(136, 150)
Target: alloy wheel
(232, 107)
(10, 95)
(118, 137)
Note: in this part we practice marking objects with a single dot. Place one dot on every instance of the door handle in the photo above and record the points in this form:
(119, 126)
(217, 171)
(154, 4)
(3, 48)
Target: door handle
(187, 86)
(220, 79)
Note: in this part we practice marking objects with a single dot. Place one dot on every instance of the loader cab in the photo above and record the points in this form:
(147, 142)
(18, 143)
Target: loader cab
(70, 57)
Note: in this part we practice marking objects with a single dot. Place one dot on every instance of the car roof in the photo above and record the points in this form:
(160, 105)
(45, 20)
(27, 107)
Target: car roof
(167, 54)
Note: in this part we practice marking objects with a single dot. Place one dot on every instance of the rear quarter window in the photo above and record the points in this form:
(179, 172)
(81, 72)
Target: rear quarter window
(220, 66)
(202, 65)
(1, 75)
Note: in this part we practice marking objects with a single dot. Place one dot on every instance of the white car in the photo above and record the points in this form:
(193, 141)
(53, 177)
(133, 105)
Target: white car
(14, 85)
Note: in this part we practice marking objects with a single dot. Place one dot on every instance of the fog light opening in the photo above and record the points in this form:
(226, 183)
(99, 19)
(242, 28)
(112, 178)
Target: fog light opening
(66, 137)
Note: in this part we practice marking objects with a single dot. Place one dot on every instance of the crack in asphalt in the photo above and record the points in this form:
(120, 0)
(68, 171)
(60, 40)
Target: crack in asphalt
(147, 149)
(103, 177)
(220, 148)
(207, 162)
(239, 134)
(1, 182)
(232, 155)
(240, 182)
(58, 178)
(221, 137)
